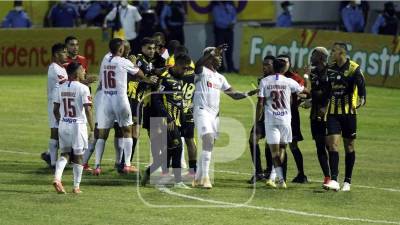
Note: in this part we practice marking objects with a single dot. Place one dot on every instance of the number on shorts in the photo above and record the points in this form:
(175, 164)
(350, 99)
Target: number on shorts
(278, 101)
(109, 79)
(69, 108)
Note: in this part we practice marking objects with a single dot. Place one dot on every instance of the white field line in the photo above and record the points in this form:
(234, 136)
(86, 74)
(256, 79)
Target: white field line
(289, 211)
(220, 171)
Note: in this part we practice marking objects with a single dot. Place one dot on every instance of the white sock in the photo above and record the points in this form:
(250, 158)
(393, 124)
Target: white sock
(60, 165)
(206, 160)
(100, 143)
(53, 149)
(199, 171)
(279, 173)
(128, 142)
(77, 170)
(183, 161)
(88, 152)
(272, 176)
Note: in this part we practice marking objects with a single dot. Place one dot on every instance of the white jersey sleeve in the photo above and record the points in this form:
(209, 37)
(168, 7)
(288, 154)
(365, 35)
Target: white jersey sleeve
(224, 84)
(261, 88)
(294, 86)
(86, 97)
(130, 67)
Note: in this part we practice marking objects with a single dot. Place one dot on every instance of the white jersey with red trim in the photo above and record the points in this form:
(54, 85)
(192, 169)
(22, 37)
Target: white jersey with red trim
(72, 97)
(277, 90)
(113, 75)
(56, 75)
(209, 84)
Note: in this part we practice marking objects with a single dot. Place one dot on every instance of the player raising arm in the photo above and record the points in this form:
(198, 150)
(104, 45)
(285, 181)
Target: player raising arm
(209, 83)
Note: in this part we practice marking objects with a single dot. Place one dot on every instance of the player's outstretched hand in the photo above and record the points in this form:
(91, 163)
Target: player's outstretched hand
(132, 58)
(307, 69)
(253, 92)
(221, 48)
(306, 104)
(91, 79)
(153, 79)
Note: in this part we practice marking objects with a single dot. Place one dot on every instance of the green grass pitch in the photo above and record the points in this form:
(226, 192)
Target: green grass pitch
(27, 196)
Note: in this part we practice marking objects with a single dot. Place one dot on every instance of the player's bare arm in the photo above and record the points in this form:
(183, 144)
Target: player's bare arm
(56, 111)
(259, 108)
(231, 92)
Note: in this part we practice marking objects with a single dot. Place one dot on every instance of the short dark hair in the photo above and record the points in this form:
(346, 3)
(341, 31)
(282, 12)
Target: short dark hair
(69, 38)
(279, 64)
(57, 47)
(180, 50)
(182, 59)
(270, 57)
(115, 44)
(147, 41)
(286, 56)
(341, 45)
(17, 3)
(160, 34)
(72, 68)
(172, 45)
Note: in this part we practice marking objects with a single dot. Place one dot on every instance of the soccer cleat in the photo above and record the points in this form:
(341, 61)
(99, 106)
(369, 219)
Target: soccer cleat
(59, 187)
(332, 185)
(282, 184)
(346, 186)
(181, 185)
(130, 169)
(87, 168)
(97, 171)
(196, 183)
(46, 157)
(270, 183)
(206, 183)
(76, 191)
(255, 178)
(300, 178)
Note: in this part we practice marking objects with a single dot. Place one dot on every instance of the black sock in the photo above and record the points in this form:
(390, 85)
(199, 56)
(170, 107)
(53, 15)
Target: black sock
(298, 158)
(322, 156)
(268, 159)
(134, 141)
(349, 158)
(193, 165)
(284, 166)
(255, 157)
(334, 164)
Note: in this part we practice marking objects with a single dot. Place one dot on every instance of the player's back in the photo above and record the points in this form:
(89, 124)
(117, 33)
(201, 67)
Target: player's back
(113, 75)
(277, 90)
(56, 75)
(72, 96)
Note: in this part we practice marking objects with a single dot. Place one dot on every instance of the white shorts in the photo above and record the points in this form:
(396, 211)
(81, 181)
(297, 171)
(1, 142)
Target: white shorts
(73, 135)
(111, 109)
(206, 122)
(52, 119)
(278, 134)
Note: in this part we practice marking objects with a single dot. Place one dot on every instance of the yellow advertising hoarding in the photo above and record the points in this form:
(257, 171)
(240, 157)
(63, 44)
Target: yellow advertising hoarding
(377, 55)
(29, 51)
(201, 11)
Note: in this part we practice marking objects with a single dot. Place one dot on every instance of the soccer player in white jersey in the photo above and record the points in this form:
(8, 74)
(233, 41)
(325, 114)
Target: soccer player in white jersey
(274, 95)
(72, 110)
(114, 100)
(209, 83)
(56, 75)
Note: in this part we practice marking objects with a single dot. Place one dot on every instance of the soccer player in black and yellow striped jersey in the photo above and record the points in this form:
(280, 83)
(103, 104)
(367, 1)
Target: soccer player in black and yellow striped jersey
(188, 89)
(347, 94)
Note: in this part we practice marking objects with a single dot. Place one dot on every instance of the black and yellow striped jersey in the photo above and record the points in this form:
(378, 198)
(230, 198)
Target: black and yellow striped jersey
(169, 98)
(320, 93)
(347, 86)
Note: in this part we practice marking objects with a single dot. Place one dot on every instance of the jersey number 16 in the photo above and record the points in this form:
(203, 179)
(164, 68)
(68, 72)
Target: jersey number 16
(109, 79)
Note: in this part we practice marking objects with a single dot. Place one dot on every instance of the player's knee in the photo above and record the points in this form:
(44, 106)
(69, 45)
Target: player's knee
(77, 159)
(348, 145)
(127, 131)
(103, 133)
(65, 155)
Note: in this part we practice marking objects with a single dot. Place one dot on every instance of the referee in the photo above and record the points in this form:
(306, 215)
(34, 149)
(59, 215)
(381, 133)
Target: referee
(348, 93)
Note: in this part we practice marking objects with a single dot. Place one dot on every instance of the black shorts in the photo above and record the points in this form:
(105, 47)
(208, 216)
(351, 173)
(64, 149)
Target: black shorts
(342, 124)
(296, 132)
(260, 129)
(318, 129)
(174, 138)
(137, 111)
(147, 113)
(187, 129)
